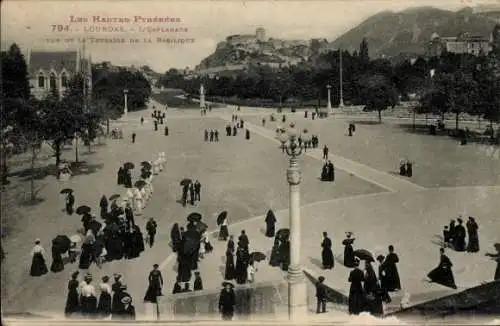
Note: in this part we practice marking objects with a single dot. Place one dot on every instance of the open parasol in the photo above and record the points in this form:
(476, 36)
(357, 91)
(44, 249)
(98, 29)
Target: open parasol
(364, 254)
(140, 184)
(257, 256)
(185, 182)
(194, 217)
(84, 209)
(129, 166)
(283, 234)
(222, 216)
(114, 197)
(66, 191)
(62, 242)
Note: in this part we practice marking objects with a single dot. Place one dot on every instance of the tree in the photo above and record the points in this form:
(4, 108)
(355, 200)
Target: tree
(15, 83)
(364, 55)
(378, 93)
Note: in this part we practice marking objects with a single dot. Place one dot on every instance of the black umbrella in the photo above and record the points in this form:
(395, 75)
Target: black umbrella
(140, 184)
(222, 216)
(66, 191)
(364, 254)
(257, 256)
(146, 165)
(62, 242)
(114, 197)
(283, 234)
(129, 165)
(194, 217)
(185, 182)
(84, 209)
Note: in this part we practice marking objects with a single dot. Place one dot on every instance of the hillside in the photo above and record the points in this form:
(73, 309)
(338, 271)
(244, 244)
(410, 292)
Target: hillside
(390, 33)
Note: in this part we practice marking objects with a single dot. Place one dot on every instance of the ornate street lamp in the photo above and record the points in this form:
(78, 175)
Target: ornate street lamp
(125, 107)
(329, 106)
(297, 295)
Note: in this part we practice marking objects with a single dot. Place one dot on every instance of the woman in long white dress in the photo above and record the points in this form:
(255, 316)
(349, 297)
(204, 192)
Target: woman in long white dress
(138, 200)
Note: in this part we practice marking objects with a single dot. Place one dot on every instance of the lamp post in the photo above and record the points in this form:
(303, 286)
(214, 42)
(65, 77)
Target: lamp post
(297, 295)
(341, 83)
(125, 107)
(329, 105)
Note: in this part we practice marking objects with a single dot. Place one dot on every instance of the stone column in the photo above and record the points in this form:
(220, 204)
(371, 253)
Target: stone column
(297, 295)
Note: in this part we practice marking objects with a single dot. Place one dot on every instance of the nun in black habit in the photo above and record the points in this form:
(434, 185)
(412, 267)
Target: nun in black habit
(327, 259)
(349, 259)
(242, 257)
(229, 271)
(443, 274)
(274, 259)
(270, 224)
(356, 278)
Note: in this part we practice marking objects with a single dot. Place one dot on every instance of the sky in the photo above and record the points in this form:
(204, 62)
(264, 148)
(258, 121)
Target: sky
(200, 25)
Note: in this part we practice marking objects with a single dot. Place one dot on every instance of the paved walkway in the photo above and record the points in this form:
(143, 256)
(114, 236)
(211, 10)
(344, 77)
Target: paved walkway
(362, 171)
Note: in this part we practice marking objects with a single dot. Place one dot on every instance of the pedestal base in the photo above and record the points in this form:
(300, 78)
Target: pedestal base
(297, 295)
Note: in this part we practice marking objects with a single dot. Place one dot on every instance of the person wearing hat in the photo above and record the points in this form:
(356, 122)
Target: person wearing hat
(459, 239)
(116, 287)
(128, 312)
(151, 227)
(356, 278)
(320, 296)
(72, 300)
(227, 301)
(118, 310)
(155, 285)
(473, 237)
(348, 250)
(443, 274)
(38, 266)
(88, 297)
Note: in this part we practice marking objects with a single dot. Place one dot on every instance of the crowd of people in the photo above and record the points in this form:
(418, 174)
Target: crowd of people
(194, 191)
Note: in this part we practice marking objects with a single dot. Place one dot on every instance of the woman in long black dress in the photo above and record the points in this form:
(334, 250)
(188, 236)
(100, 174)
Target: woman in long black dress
(38, 266)
(371, 282)
(381, 272)
(270, 224)
(473, 237)
(117, 289)
(356, 278)
(224, 232)
(155, 285)
(57, 261)
(73, 298)
(85, 256)
(349, 259)
(241, 266)
(121, 176)
(326, 253)
(103, 204)
(104, 305)
(229, 272)
(137, 242)
(391, 271)
(175, 236)
(443, 274)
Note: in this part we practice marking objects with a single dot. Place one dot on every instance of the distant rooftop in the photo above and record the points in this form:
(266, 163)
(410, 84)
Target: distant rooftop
(53, 60)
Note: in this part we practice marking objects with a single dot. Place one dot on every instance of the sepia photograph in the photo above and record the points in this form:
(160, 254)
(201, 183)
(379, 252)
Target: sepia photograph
(263, 162)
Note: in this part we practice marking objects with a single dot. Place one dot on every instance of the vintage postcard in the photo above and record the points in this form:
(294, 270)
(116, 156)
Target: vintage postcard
(250, 161)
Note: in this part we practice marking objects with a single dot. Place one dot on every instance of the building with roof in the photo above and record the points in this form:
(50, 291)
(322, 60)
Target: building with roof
(461, 44)
(50, 71)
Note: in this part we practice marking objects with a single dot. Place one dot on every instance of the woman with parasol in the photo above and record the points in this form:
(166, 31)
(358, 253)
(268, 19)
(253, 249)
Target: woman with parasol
(175, 237)
(38, 266)
(348, 250)
(270, 224)
(57, 250)
(222, 221)
(72, 300)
